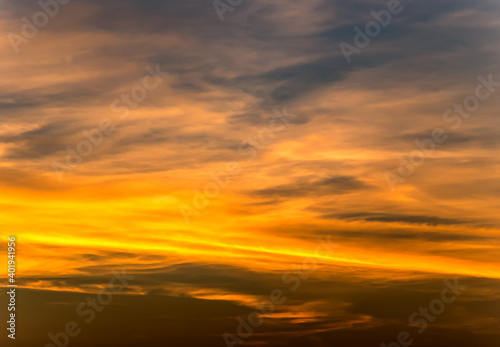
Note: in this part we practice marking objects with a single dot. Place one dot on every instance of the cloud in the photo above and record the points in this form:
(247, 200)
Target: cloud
(314, 187)
(322, 175)
(397, 218)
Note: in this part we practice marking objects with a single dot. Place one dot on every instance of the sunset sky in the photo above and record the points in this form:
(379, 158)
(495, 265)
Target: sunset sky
(254, 142)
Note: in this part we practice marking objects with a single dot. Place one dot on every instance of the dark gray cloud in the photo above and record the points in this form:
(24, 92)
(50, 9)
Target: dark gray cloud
(314, 187)
(43, 141)
(397, 218)
(471, 138)
(412, 235)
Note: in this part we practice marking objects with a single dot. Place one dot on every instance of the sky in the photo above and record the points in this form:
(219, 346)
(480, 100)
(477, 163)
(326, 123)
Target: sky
(225, 155)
